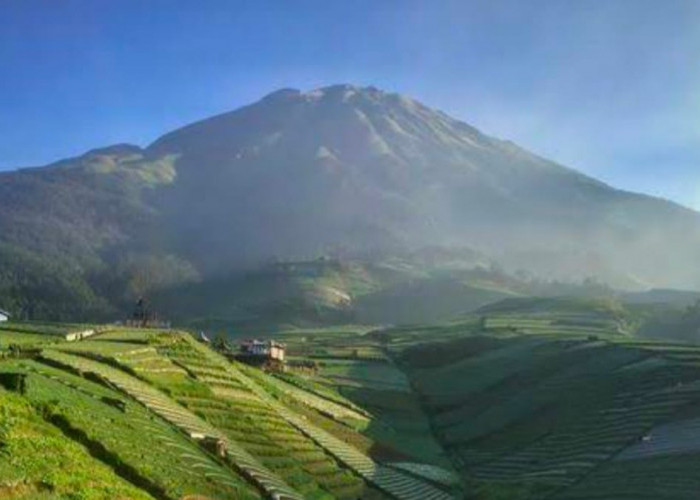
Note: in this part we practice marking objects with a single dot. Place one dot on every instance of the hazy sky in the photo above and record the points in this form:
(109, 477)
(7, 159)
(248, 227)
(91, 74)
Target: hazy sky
(610, 87)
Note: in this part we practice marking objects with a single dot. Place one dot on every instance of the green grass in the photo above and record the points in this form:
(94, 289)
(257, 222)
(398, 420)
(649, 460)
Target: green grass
(146, 445)
(127, 335)
(399, 428)
(38, 461)
(533, 414)
(7, 338)
(138, 400)
(44, 328)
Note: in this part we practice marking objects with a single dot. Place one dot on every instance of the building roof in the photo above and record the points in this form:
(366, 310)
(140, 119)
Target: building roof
(257, 342)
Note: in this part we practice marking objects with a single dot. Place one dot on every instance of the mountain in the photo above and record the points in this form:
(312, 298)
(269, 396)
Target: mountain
(343, 171)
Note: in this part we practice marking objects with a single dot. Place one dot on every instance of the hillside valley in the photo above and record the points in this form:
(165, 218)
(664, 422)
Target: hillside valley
(557, 398)
(400, 250)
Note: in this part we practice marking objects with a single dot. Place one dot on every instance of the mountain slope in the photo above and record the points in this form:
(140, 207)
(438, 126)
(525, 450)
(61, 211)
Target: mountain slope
(165, 417)
(76, 237)
(341, 170)
(353, 169)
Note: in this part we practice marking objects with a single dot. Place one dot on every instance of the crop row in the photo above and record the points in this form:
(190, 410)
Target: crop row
(662, 478)
(573, 450)
(128, 443)
(430, 472)
(39, 457)
(269, 438)
(179, 416)
(395, 483)
(324, 406)
(321, 391)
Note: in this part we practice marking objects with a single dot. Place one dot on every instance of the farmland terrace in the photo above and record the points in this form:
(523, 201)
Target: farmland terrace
(129, 413)
(568, 406)
(506, 403)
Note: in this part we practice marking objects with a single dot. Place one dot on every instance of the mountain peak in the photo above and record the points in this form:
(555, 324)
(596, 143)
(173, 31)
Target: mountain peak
(115, 149)
(339, 90)
(282, 94)
(290, 111)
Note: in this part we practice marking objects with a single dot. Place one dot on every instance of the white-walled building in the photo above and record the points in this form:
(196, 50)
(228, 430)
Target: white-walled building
(263, 350)
(4, 316)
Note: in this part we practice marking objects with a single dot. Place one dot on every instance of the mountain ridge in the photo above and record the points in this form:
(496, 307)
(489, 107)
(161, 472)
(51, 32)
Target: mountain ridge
(341, 170)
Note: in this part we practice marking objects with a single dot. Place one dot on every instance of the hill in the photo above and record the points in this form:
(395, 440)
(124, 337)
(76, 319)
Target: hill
(405, 288)
(343, 171)
(558, 411)
(557, 398)
(126, 413)
(75, 235)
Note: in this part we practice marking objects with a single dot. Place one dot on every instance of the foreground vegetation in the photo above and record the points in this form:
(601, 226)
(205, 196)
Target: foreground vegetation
(525, 399)
(540, 399)
(158, 415)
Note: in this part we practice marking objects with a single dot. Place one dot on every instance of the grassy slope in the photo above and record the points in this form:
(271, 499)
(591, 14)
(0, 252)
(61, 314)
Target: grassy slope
(353, 365)
(38, 461)
(527, 399)
(549, 394)
(157, 458)
(152, 453)
(326, 292)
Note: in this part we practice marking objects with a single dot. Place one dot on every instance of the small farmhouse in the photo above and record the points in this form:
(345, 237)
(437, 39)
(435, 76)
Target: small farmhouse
(267, 353)
(264, 349)
(4, 316)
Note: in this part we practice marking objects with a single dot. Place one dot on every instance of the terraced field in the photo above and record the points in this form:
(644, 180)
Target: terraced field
(147, 447)
(39, 461)
(180, 417)
(243, 416)
(375, 387)
(344, 413)
(27, 335)
(385, 479)
(170, 419)
(309, 386)
(538, 415)
(489, 408)
(553, 325)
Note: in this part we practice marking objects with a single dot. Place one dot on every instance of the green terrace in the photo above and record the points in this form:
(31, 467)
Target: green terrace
(26, 332)
(483, 407)
(528, 414)
(39, 461)
(171, 419)
(135, 441)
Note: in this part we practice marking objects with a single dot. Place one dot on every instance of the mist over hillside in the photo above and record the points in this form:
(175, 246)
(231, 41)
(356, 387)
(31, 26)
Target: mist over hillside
(342, 171)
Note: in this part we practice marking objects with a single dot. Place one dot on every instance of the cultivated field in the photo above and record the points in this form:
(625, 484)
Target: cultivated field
(169, 418)
(558, 404)
(553, 401)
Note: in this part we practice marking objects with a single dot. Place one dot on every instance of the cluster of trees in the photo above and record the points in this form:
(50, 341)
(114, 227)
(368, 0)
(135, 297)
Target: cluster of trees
(35, 286)
(32, 286)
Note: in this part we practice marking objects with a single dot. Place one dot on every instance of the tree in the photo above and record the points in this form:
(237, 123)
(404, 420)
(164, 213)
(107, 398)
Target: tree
(220, 342)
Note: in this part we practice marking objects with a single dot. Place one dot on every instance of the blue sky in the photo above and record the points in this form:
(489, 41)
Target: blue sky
(610, 87)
